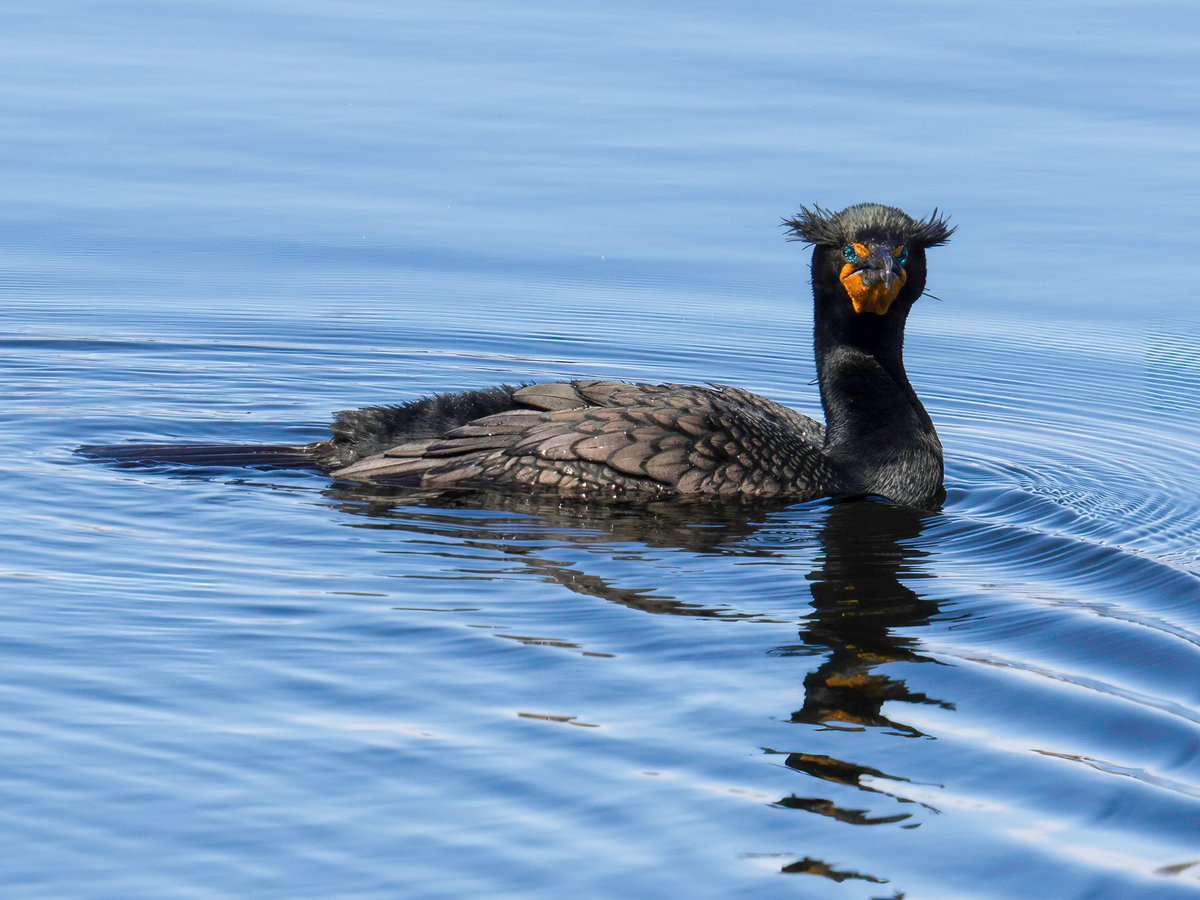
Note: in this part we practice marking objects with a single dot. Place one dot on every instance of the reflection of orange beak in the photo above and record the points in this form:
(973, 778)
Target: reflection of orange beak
(873, 284)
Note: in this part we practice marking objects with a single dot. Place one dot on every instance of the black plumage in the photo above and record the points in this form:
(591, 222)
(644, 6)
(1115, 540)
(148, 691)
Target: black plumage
(609, 440)
(612, 439)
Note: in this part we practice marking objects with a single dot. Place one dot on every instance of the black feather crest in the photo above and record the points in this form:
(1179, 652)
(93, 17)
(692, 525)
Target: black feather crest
(815, 225)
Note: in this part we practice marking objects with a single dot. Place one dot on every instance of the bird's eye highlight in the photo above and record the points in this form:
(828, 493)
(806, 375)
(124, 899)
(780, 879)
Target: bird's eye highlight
(850, 253)
(901, 254)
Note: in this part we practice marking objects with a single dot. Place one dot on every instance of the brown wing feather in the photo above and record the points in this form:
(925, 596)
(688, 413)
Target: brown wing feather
(586, 438)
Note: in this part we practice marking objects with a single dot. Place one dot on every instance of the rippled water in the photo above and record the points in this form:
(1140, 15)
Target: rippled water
(223, 221)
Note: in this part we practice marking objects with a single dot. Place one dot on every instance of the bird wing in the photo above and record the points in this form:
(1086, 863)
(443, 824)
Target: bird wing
(587, 437)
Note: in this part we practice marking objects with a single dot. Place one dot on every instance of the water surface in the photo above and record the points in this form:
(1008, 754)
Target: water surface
(223, 221)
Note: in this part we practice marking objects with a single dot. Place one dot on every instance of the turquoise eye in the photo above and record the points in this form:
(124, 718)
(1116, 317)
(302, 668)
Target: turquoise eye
(903, 257)
(850, 253)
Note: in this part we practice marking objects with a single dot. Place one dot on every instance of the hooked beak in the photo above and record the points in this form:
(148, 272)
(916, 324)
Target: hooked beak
(873, 282)
(886, 275)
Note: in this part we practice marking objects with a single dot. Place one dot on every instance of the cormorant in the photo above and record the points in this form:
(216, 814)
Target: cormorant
(613, 440)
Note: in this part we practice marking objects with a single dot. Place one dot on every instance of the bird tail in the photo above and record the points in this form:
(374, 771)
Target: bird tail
(256, 456)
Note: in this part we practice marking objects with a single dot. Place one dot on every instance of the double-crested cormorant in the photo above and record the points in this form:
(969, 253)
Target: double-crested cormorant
(611, 440)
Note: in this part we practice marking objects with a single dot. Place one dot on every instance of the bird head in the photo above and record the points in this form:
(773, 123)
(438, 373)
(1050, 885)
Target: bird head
(873, 251)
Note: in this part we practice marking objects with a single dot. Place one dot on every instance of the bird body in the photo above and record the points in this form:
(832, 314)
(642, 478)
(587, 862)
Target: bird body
(611, 440)
(592, 439)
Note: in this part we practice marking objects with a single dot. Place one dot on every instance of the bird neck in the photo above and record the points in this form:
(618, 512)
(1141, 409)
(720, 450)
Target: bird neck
(877, 431)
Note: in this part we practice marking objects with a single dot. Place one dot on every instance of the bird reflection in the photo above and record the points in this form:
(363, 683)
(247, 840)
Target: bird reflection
(858, 604)
(862, 618)
(862, 613)
(506, 525)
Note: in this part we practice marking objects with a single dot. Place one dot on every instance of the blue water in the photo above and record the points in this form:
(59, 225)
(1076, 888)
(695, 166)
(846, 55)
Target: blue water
(224, 221)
